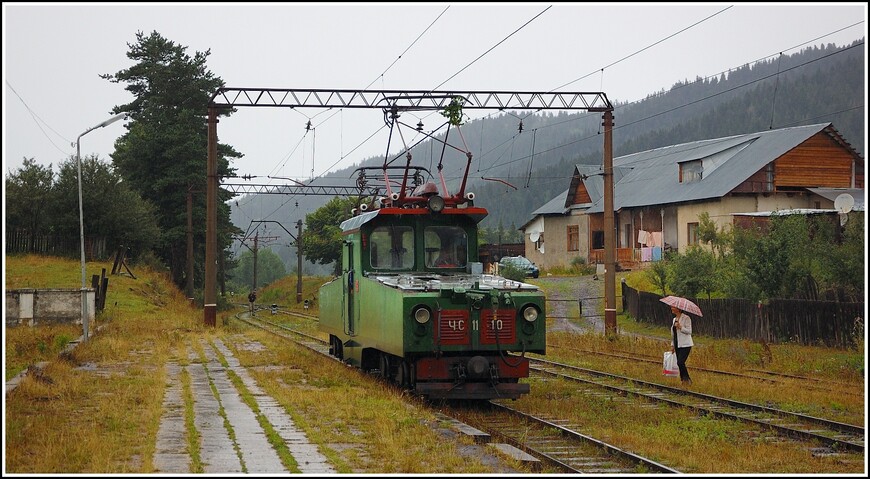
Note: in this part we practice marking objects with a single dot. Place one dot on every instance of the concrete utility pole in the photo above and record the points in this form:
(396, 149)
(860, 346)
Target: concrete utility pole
(256, 241)
(256, 248)
(299, 261)
(609, 231)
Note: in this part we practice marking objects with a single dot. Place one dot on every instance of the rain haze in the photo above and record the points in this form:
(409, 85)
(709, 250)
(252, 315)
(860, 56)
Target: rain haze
(54, 54)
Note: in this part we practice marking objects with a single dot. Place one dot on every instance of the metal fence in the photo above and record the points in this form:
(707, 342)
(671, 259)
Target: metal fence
(829, 323)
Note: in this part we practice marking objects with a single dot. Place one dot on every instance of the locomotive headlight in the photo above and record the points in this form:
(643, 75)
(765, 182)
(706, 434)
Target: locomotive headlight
(422, 315)
(530, 313)
(436, 203)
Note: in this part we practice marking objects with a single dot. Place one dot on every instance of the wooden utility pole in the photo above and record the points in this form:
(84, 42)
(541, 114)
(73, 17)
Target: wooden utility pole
(189, 284)
(210, 293)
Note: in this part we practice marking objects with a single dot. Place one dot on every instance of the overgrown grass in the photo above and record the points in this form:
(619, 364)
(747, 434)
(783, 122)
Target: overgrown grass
(89, 413)
(99, 411)
(26, 346)
(676, 436)
(193, 437)
(360, 426)
(841, 401)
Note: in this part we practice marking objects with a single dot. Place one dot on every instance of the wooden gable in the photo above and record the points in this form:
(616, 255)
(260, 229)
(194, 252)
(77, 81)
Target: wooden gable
(581, 196)
(819, 162)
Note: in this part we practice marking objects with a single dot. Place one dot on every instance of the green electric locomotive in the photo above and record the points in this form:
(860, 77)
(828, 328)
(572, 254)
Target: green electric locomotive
(413, 304)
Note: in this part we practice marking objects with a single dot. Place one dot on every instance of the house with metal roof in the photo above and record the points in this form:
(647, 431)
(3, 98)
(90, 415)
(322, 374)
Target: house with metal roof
(659, 194)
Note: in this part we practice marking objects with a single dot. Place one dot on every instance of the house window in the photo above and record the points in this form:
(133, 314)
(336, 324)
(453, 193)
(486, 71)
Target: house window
(691, 171)
(573, 238)
(598, 240)
(693, 233)
(540, 241)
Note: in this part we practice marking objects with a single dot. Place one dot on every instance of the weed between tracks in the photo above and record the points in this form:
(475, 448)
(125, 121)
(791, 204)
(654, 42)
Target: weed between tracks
(99, 410)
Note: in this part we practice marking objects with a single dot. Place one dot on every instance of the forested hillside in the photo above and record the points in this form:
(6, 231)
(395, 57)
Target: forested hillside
(516, 170)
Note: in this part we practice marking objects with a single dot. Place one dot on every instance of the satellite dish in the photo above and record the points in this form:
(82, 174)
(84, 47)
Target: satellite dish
(844, 203)
(534, 236)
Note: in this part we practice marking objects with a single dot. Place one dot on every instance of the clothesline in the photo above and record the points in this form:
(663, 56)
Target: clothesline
(650, 238)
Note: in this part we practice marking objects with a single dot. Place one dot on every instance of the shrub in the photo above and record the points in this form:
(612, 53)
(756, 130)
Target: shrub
(510, 271)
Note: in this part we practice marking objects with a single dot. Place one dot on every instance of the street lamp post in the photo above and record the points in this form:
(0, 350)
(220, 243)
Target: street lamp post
(82, 218)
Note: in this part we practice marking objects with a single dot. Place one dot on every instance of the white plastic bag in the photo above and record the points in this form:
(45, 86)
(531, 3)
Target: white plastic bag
(669, 364)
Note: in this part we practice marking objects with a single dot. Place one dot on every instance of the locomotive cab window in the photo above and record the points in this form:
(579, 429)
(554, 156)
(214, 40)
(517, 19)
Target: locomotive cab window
(446, 247)
(392, 247)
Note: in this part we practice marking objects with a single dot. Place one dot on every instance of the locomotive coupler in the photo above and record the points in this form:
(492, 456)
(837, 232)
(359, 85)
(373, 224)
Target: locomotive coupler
(493, 374)
(460, 374)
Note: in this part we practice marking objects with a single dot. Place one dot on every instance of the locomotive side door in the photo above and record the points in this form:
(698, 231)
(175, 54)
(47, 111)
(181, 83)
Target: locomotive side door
(349, 287)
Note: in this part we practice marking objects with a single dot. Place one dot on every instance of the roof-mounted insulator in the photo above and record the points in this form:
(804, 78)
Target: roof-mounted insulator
(520, 129)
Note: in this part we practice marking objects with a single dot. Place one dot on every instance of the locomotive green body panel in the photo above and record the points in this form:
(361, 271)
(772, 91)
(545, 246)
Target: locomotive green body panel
(390, 270)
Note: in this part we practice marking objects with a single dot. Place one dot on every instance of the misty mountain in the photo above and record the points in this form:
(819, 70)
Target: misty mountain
(521, 160)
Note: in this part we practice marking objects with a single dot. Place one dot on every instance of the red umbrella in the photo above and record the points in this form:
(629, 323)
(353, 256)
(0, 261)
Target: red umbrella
(682, 304)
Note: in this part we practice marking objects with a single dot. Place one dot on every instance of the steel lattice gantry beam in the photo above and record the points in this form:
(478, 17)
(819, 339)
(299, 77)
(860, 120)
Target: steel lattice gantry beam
(406, 100)
(409, 99)
(301, 190)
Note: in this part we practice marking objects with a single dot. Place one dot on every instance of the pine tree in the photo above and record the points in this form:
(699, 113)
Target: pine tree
(164, 152)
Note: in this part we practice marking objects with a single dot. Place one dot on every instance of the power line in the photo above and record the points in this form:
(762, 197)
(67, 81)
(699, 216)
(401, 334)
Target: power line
(644, 48)
(675, 108)
(35, 117)
(409, 47)
(341, 109)
(492, 48)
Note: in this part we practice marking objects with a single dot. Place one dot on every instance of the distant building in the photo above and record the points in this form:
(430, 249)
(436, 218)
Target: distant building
(659, 193)
(491, 253)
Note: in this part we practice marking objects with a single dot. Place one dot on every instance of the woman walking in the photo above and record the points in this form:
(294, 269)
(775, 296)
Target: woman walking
(682, 329)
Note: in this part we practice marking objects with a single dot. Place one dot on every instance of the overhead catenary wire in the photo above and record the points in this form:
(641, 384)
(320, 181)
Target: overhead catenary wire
(491, 48)
(409, 47)
(481, 157)
(642, 49)
(617, 127)
(343, 156)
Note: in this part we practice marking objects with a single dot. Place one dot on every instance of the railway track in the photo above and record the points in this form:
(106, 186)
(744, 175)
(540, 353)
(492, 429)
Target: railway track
(550, 439)
(818, 384)
(309, 341)
(559, 443)
(834, 435)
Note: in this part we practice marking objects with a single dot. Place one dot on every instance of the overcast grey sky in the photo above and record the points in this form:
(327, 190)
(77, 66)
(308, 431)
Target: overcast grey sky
(53, 55)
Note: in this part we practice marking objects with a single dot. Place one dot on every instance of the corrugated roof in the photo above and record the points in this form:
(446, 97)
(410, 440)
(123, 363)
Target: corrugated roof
(832, 194)
(556, 206)
(653, 175)
(792, 211)
(594, 181)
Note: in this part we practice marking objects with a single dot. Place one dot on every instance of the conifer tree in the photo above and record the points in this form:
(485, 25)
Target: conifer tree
(164, 152)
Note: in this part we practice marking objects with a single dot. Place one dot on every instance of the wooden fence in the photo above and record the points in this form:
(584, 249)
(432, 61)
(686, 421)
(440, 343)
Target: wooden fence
(829, 323)
(21, 242)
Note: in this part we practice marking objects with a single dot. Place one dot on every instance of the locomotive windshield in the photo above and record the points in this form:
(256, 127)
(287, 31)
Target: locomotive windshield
(392, 247)
(446, 247)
